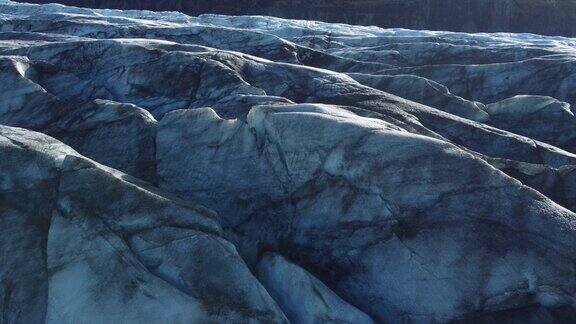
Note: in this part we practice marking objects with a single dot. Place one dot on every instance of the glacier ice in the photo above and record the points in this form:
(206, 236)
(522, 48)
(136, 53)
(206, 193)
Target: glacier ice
(159, 167)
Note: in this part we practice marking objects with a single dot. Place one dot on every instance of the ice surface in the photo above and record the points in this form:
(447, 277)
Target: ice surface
(362, 174)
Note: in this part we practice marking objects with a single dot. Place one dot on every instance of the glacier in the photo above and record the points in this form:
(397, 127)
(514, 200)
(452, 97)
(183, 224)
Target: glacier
(158, 167)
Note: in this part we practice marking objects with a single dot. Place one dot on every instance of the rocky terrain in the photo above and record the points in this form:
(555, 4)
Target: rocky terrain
(158, 167)
(548, 17)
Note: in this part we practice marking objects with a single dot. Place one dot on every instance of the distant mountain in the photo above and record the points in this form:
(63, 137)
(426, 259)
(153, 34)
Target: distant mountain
(548, 17)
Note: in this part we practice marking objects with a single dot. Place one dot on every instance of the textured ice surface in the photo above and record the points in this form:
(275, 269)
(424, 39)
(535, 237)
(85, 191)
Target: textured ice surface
(255, 169)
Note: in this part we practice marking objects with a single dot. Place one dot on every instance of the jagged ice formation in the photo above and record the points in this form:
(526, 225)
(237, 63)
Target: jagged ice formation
(157, 167)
